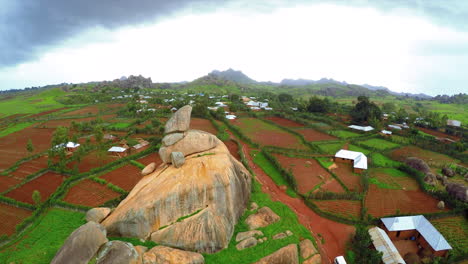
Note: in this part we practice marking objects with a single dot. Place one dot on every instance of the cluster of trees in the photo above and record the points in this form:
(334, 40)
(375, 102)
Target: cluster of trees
(460, 98)
(366, 111)
(361, 250)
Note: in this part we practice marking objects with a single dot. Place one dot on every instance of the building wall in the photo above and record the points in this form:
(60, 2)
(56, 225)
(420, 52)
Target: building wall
(407, 234)
(349, 161)
(356, 170)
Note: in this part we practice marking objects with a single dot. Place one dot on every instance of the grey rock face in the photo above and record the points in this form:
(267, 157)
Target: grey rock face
(177, 159)
(180, 121)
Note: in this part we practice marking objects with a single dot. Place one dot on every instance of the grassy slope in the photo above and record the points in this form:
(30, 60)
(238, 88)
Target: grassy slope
(15, 127)
(31, 103)
(379, 144)
(41, 243)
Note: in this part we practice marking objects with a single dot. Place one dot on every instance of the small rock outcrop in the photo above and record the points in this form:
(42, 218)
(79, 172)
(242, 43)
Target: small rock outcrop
(264, 217)
(177, 159)
(148, 169)
(180, 121)
(171, 139)
(307, 248)
(316, 259)
(287, 254)
(417, 164)
(247, 243)
(458, 191)
(167, 255)
(441, 205)
(448, 172)
(244, 235)
(82, 244)
(195, 141)
(97, 214)
(118, 252)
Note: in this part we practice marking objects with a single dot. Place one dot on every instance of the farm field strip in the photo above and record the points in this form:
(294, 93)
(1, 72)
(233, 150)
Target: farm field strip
(343, 208)
(314, 135)
(455, 231)
(10, 216)
(126, 177)
(345, 173)
(203, 124)
(46, 184)
(284, 122)
(89, 193)
(431, 158)
(379, 144)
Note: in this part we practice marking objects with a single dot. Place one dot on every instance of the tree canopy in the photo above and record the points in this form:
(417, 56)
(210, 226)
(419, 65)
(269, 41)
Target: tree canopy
(365, 110)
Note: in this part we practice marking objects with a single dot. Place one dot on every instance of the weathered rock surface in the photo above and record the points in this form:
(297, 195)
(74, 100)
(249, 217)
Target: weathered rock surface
(195, 141)
(307, 248)
(97, 214)
(458, 191)
(247, 243)
(264, 217)
(285, 255)
(448, 172)
(171, 139)
(215, 188)
(430, 179)
(253, 206)
(118, 252)
(244, 235)
(280, 236)
(417, 164)
(177, 159)
(316, 259)
(441, 205)
(180, 120)
(167, 255)
(81, 245)
(148, 169)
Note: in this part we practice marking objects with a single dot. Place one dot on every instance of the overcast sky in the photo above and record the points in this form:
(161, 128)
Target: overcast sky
(408, 46)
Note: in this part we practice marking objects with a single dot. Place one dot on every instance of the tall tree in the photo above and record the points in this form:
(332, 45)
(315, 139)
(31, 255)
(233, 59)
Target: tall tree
(36, 196)
(30, 146)
(365, 110)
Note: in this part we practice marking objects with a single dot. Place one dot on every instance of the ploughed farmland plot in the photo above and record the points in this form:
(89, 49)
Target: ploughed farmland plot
(343, 208)
(67, 122)
(203, 124)
(93, 160)
(284, 122)
(314, 135)
(7, 181)
(380, 144)
(89, 193)
(11, 216)
(382, 202)
(309, 175)
(431, 158)
(126, 177)
(455, 230)
(233, 148)
(153, 157)
(89, 110)
(13, 146)
(344, 171)
(389, 178)
(268, 135)
(30, 167)
(46, 184)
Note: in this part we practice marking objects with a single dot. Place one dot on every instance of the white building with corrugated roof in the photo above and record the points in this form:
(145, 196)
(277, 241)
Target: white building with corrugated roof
(358, 159)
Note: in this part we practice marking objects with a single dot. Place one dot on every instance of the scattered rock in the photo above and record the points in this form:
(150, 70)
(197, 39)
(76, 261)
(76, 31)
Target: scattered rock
(289, 233)
(448, 172)
(417, 164)
(180, 120)
(167, 255)
(195, 141)
(316, 259)
(285, 255)
(247, 243)
(280, 236)
(148, 169)
(458, 191)
(82, 244)
(118, 252)
(243, 235)
(441, 205)
(264, 217)
(177, 159)
(430, 179)
(253, 206)
(97, 214)
(307, 248)
(171, 139)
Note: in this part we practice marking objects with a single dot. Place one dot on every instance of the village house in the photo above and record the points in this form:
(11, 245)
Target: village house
(118, 151)
(386, 133)
(454, 123)
(358, 159)
(361, 128)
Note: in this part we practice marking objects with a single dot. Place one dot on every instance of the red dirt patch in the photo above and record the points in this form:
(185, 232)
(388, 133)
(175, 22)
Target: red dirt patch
(203, 124)
(233, 148)
(7, 181)
(46, 184)
(314, 135)
(382, 202)
(345, 208)
(90, 193)
(153, 157)
(93, 160)
(308, 174)
(284, 122)
(125, 177)
(67, 122)
(11, 216)
(30, 167)
(91, 110)
(344, 171)
(13, 146)
(438, 134)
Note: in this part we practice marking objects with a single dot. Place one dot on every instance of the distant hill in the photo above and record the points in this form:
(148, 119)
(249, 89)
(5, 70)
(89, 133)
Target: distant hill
(232, 75)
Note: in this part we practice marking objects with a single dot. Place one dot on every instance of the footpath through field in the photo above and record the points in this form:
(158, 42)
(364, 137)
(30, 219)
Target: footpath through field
(335, 235)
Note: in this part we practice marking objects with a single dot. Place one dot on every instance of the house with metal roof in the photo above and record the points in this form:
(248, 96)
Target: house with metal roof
(358, 159)
(382, 243)
(419, 229)
(361, 128)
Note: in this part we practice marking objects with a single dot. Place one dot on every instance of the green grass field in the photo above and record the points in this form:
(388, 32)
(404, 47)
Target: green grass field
(31, 103)
(325, 162)
(379, 144)
(14, 128)
(331, 148)
(379, 160)
(359, 149)
(390, 178)
(344, 134)
(39, 245)
(119, 125)
(455, 231)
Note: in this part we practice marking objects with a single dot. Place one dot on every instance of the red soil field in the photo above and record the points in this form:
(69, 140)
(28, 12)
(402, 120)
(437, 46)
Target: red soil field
(284, 122)
(94, 110)
(437, 133)
(382, 202)
(90, 193)
(93, 160)
(348, 209)
(153, 157)
(203, 124)
(314, 135)
(13, 146)
(47, 112)
(335, 235)
(233, 148)
(67, 122)
(308, 172)
(46, 184)
(125, 177)
(30, 167)
(344, 171)
(11, 117)
(431, 158)
(11, 216)
(7, 181)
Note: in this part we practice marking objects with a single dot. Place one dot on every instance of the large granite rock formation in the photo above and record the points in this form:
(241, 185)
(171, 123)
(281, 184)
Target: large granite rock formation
(194, 207)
